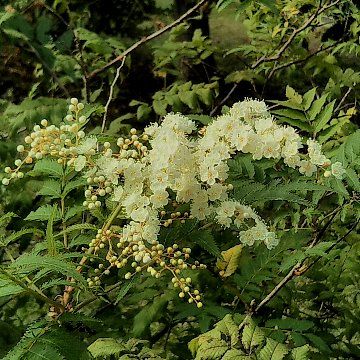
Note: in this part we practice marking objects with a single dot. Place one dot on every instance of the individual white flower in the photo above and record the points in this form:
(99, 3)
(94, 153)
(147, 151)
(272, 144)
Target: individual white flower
(249, 110)
(225, 212)
(109, 168)
(224, 221)
(290, 148)
(271, 241)
(80, 163)
(307, 167)
(217, 192)
(259, 231)
(140, 214)
(292, 161)
(85, 147)
(188, 190)
(338, 170)
(264, 124)
(159, 199)
(315, 154)
(271, 148)
(289, 134)
(118, 193)
(223, 170)
(240, 139)
(247, 237)
(200, 208)
(209, 175)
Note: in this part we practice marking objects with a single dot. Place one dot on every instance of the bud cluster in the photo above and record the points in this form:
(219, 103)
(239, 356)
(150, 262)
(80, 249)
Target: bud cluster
(46, 140)
(129, 250)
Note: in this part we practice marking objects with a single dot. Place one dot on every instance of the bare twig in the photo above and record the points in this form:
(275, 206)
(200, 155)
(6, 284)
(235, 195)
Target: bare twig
(223, 101)
(111, 93)
(293, 35)
(150, 37)
(278, 287)
(343, 99)
(298, 61)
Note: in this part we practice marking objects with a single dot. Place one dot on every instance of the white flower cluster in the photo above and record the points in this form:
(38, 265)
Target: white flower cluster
(249, 128)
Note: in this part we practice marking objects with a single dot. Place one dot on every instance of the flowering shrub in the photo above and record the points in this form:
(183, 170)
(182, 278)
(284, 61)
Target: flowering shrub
(171, 166)
(209, 231)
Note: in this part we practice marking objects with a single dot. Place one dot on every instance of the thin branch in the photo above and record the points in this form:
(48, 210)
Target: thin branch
(49, 70)
(150, 37)
(343, 99)
(111, 93)
(66, 297)
(278, 287)
(298, 61)
(300, 269)
(223, 101)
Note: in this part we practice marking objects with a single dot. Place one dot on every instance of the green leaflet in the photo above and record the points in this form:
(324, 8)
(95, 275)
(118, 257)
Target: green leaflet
(150, 313)
(43, 213)
(30, 262)
(324, 117)
(105, 347)
(17, 235)
(47, 167)
(206, 241)
(273, 350)
(50, 188)
(300, 353)
(77, 227)
(72, 185)
(125, 289)
(8, 288)
(252, 335)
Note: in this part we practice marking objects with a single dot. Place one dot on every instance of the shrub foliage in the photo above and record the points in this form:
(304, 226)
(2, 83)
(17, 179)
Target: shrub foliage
(200, 200)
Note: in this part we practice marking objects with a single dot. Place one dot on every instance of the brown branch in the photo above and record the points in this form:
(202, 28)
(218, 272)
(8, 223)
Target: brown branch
(293, 35)
(223, 101)
(343, 99)
(300, 268)
(298, 61)
(150, 37)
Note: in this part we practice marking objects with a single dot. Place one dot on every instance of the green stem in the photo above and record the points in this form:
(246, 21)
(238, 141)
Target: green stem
(62, 206)
(112, 217)
(35, 288)
(96, 297)
(33, 292)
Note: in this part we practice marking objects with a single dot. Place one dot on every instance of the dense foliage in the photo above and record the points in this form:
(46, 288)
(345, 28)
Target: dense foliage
(192, 196)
